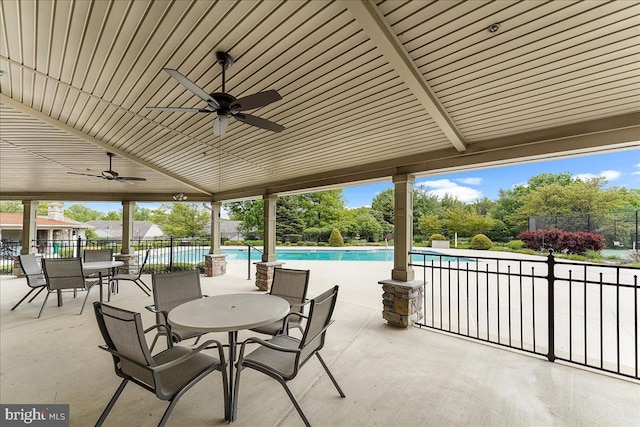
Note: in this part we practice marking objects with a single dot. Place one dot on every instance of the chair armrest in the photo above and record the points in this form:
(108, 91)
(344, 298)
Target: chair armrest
(193, 352)
(158, 327)
(152, 308)
(264, 343)
(285, 326)
(300, 304)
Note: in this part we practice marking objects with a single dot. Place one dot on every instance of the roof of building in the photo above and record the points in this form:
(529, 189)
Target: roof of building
(114, 228)
(15, 220)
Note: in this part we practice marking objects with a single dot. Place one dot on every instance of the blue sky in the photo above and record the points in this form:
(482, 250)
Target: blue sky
(621, 168)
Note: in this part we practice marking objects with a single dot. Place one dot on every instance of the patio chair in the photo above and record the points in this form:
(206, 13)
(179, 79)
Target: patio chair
(168, 374)
(66, 273)
(95, 255)
(169, 291)
(135, 278)
(33, 273)
(291, 285)
(282, 356)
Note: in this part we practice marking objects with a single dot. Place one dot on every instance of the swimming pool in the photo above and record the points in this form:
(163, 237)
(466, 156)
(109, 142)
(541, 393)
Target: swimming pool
(191, 255)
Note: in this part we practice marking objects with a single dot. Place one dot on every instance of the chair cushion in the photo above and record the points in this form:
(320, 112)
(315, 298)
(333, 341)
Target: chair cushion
(267, 359)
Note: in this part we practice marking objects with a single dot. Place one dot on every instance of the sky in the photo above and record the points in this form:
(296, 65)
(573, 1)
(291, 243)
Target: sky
(621, 169)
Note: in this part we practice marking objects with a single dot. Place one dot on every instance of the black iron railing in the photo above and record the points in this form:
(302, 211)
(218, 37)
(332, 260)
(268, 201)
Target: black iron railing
(581, 313)
(249, 248)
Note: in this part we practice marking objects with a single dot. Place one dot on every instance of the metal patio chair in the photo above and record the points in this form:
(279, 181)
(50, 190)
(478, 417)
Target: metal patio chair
(135, 278)
(66, 273)
(96, 255)
(33, 273)
(169, 291)
(282, 356)
(291, 285)
(168, 374)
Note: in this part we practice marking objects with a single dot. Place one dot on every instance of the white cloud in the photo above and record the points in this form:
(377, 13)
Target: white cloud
(609, 175)
(470, 181)
(635, 173)
(442, 187)
(638, 165)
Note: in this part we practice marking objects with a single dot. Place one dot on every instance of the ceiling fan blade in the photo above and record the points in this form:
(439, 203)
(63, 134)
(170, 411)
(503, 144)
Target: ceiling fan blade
(256, 100)
(197, 90)
(259, 122)
(130, 178)
(181, 109)
(84, 174)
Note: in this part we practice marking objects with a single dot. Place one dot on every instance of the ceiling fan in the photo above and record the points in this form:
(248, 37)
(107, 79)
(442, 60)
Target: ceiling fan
(110, 175)
(224, 104)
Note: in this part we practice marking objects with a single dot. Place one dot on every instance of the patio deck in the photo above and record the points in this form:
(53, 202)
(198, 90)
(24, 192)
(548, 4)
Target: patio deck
(392, 377)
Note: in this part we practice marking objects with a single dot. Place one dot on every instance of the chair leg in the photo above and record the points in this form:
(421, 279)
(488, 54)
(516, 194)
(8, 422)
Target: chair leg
(24, 298)
(295, 402)
(37, 293)
(165, 417)
(112, 402)
(326, 368)
(44, 303)
(141, 288)
(144, 284)
(87, 296)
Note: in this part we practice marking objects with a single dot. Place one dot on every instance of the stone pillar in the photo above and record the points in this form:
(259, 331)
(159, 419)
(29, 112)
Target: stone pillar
(216, 207)
(130, 263)
(128, 207)
(269, 254)
(402, 302)
(264, 274)
(29, 225)
(403, 228)
(215, 265)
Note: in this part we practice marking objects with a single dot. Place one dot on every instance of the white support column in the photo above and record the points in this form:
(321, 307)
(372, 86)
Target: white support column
(403, 228)
(216, 208)
(128, 208)
(269, 254)
(29, 225)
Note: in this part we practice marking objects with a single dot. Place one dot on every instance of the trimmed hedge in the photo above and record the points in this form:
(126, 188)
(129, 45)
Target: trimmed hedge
(481, 242)
(562, 241)
(435, 237)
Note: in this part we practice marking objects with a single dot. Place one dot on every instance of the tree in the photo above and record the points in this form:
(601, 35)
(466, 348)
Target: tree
(367, 226)
(429, 224)
(81, 213)
(250, 212)
(11, 207)
(186, 220)
(320, 208)
(288, 218)
(384, 203)
(336, 238)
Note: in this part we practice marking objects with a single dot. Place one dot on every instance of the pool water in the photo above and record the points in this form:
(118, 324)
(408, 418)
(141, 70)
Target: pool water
(197, 255)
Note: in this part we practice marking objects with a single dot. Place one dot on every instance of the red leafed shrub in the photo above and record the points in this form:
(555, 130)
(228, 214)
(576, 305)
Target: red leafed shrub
(562, 241)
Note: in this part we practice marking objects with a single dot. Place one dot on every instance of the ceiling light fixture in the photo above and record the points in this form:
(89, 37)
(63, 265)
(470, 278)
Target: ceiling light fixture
(220, 125)
(180, 197)
(494, 28)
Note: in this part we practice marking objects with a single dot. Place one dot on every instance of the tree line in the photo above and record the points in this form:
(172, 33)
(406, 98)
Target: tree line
(311, 217)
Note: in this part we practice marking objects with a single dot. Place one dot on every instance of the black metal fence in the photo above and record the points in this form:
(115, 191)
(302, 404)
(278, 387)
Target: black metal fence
(619, 229)
(166, 254)
(581, 313)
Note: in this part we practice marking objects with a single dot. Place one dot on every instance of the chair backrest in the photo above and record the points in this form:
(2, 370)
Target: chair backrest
(123, 333)
(320, 311)
(95, 255)
(63, 273)
(291, 285)
(32, 270)
(172, 289)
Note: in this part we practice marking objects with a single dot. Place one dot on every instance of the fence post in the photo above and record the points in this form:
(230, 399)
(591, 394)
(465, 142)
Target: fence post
(551, 277)
(248, 262)
(79, 247)
(170, 254)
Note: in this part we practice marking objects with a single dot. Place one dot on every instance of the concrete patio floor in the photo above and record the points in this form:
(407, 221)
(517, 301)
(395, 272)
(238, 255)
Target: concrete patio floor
(392, 377)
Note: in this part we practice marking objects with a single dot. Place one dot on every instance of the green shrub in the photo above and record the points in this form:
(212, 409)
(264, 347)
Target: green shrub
(481, 242)
(227, 243)
(300, 243)
(335, 239)
(418, 238)
(293, 238)
(322, 243)
(515, 245)
(435, 237)
(255, 242)
(66, 252)
(312, 243)
(184, 266)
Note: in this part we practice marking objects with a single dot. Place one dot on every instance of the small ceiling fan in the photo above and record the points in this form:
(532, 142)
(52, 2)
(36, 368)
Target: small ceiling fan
(110, 175)
(224, 104)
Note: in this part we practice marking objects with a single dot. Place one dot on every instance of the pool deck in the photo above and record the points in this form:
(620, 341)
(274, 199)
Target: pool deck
(392, 377)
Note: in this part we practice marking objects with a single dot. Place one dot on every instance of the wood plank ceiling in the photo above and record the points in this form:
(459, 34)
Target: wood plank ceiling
(370, 89)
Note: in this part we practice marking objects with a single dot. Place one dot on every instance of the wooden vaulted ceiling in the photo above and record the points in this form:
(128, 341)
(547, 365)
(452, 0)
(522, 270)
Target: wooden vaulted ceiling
(370, 89)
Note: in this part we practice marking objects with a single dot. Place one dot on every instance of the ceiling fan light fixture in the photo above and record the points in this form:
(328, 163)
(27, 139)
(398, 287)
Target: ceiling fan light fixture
(220, 125)
(180, 197)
